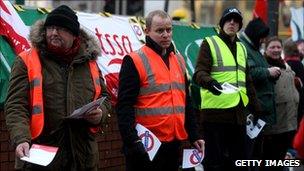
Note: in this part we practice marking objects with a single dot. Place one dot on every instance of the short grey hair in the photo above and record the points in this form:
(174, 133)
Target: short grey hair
(150, 16)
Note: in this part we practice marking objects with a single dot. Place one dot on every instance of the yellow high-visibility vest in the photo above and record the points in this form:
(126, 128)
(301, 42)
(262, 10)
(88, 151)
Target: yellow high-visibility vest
(226, 69)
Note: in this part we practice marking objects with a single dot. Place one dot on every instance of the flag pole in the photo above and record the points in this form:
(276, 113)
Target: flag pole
(273, 17)
(192, 7)
(166, 5)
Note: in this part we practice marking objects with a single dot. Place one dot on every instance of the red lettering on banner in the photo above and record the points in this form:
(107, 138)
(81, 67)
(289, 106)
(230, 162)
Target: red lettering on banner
(18, 42)
(121, 53)
(109, 42)
(123, 38)
(124, 45)
(99, 36)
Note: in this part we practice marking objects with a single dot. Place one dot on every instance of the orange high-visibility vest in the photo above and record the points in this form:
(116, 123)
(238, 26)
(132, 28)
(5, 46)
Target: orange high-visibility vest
(161, 102)
(32, 62)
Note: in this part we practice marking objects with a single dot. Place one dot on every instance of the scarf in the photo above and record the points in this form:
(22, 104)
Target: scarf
(66, 55)
(276, 62)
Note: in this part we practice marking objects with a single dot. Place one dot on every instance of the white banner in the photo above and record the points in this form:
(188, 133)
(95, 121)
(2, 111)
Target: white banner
(117, 36)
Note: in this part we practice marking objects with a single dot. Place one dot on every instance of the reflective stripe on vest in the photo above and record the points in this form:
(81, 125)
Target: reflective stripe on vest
(161, 99)
(226, 70)
(32, 62)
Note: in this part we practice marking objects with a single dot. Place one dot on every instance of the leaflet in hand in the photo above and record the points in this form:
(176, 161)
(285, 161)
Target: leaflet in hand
(192, 158)
(41, 154)
(228, 88)
(254, 130)
(150, 141)
(79, 113)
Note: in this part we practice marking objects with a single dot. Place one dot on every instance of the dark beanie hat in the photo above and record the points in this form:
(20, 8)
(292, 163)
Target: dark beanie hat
(256, 30)
(229, 13)
(65, 17)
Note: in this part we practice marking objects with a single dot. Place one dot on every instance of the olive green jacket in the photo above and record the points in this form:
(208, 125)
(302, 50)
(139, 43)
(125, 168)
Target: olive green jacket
(66, 87)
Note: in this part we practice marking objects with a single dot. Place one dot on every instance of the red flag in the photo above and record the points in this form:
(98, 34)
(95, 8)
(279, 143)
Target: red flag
(13, 28)
(260, 10)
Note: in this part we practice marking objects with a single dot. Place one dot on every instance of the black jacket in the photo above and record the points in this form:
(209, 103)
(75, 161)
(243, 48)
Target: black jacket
(129, 85)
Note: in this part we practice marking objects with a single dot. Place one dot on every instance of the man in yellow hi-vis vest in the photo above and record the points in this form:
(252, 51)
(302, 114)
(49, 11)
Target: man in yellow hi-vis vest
(222, 59)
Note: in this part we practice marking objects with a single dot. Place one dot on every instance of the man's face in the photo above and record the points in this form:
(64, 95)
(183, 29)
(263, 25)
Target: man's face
(59, 37)
(231, 27)
(160, 31)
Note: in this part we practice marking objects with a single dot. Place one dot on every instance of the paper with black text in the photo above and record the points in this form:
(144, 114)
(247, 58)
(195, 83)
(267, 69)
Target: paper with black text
(192, 158)
(80, 112)
(150, 141)
(41, 154)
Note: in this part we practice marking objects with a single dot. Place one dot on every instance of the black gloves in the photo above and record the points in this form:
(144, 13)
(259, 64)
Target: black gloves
(137, 150)
(212, 88)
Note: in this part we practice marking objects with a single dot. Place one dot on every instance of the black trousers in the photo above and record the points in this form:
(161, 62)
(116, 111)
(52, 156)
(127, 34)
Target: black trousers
(275, 147)
(225, 143)
(166, 159)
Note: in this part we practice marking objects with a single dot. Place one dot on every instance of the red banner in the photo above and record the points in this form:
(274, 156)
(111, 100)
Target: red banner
(260, 10)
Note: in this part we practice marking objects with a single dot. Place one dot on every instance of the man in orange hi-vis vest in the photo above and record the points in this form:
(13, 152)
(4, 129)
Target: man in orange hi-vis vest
(153, 92)
(48, 82)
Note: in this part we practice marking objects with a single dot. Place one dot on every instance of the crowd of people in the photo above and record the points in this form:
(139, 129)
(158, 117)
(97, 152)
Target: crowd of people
(59, 74)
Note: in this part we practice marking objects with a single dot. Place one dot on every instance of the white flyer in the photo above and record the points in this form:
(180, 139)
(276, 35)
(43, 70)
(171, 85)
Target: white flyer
(150, 141)
(41, 154)
(228, 88)
(254, 130)
(80, 112)
(192, 158)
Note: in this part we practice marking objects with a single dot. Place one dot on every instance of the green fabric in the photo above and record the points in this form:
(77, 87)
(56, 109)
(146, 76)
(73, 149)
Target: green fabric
(188, 41)
(7, 57)
(228, 74)
(29, 16)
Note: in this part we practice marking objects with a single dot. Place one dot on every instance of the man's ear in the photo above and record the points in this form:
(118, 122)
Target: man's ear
(147, 32)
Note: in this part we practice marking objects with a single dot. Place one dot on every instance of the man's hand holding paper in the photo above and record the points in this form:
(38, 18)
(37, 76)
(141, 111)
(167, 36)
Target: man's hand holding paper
(90, 112)
(94, 116)
(22, 149)
(227, 88)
